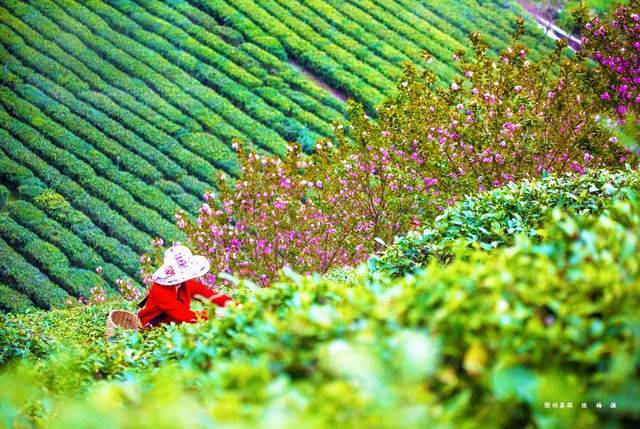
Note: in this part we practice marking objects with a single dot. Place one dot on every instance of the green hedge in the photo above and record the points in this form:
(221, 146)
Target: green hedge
(28, 280)
(170, 81)
(488, 339)
(78, 253)
(112, 223)
(243, 15)
(240, 106)
(210, 148)
(494, 218)
(143, 218)
(98, 119)
(49, 259)
(157, 137)
(411, 47)
(315, 27)
(202, 31)
(298, 82)
(69, 51)
(59, 209)
(4, 195)
(348, 25)
(12, 300)
(119, 67)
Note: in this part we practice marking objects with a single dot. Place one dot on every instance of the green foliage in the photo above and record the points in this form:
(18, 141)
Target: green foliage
(27, 279)
(495, 218)
(488, 338)
(4, 195)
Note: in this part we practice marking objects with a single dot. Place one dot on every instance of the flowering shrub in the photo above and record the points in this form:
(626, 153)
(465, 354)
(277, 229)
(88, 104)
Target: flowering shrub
(506, 119)
(615, 44)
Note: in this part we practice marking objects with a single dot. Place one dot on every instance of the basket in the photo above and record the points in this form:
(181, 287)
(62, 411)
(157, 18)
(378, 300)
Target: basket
(122, 319)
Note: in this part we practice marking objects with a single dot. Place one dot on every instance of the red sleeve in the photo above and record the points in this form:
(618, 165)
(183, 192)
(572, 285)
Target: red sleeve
(200, 289)
(167, 301)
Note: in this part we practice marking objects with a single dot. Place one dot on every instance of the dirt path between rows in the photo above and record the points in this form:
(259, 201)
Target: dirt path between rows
(340, 95)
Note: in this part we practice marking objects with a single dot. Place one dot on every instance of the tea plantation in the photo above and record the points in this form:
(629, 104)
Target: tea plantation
(114, 114)
(502, 166)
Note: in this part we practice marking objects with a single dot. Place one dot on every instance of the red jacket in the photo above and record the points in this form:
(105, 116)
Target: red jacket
(164, 305)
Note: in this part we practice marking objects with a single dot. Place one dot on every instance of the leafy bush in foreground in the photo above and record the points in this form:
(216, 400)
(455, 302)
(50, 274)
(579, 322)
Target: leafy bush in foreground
(485, 340)
(494, 218)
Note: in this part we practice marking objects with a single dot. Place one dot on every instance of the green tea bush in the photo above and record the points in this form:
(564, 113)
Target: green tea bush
(488, 339)
(4, 195)
(100, 120)
(213, 150)
(78, 253)
(97, 211)
(12, 300)
(495, 218)
(166, 146)
(47, 257)
(92, 70)
(27, 279)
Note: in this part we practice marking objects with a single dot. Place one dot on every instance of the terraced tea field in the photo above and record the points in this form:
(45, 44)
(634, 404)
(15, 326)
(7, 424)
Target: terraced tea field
(113, 114)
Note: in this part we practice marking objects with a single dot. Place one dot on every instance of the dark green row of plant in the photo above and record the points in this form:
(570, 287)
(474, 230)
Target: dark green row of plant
(12, 300)
(47, 257)
(315, 28)
(325, 106)
(140, 188)
(254, 23)
(77, 252)
(237, 85)
(207, 146)
(419, 32)
(29, 173)
(26, 281)
(98, 120)
(489, 339)
(48, 38)
(81, 162)
(118, 51)
(286, 78)
(358, 34)
(169, 80)
(167, 147)
(377, 26)
(236, 102)
(495, 21)
(497, 217)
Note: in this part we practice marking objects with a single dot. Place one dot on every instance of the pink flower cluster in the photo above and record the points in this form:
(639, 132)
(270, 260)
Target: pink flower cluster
(97, 295)
(127, 290)
(615, 44)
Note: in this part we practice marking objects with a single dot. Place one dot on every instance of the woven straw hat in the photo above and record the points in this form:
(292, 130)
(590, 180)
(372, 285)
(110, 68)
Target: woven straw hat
(180, 265)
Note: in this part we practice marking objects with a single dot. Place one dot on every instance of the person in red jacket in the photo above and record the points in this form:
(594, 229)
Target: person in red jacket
(174, 287)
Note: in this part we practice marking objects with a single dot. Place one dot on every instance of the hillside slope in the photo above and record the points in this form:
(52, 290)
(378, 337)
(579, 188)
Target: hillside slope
(113, 114)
